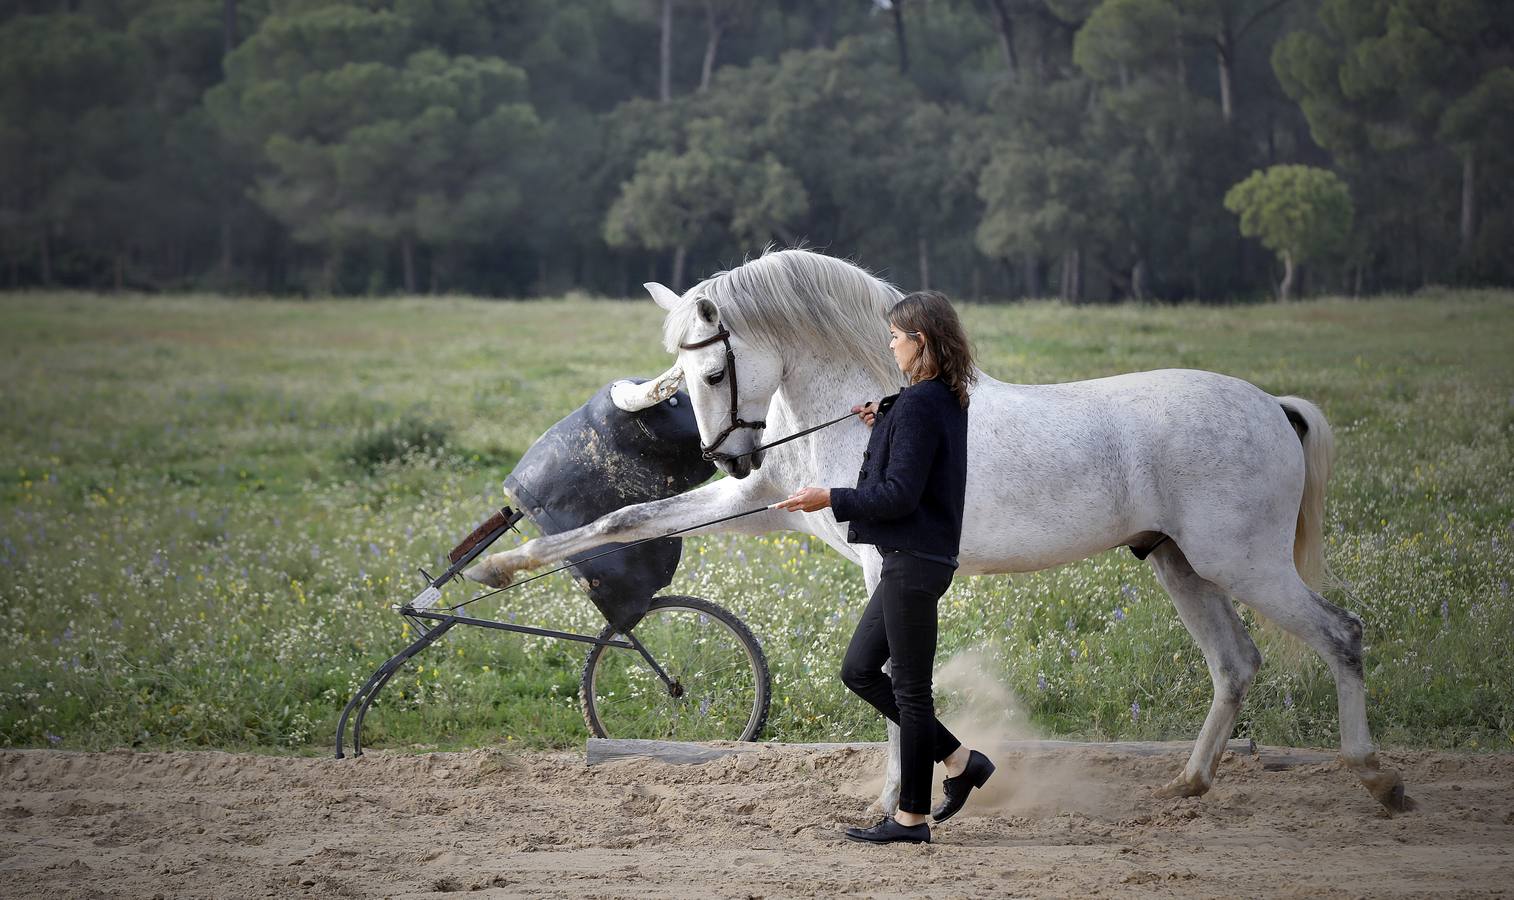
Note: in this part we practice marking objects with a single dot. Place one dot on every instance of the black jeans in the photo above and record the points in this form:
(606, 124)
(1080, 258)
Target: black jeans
(899, 624)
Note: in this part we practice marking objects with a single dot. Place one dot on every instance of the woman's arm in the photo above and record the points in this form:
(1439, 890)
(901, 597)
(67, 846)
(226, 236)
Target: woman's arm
(912, 448)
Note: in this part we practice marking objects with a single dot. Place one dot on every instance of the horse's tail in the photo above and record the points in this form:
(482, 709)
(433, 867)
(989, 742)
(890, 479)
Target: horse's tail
(1319, 455)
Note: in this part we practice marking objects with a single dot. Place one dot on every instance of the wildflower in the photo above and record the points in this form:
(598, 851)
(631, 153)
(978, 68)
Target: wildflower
(53, 739)
(1041, 682)
(1119, 614)
(1288, 700)
(1135, 711)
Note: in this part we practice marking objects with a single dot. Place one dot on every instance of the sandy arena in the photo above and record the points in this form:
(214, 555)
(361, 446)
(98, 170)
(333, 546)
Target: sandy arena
(758, 824)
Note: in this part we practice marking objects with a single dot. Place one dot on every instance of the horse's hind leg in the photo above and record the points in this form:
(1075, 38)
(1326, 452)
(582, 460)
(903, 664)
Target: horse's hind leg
(1228, 650)
(1336, 635)
(888, 798)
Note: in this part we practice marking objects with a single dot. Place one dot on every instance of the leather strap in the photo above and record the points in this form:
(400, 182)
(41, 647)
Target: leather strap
(708, 451)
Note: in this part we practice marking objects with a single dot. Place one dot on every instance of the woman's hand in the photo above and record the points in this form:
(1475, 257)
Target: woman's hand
(806, 499)
(867, 412)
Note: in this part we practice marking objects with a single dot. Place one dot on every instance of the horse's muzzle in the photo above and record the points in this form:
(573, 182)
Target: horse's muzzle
(741, 465)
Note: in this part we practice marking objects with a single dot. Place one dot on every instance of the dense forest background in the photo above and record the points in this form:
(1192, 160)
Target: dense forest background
(989, 148)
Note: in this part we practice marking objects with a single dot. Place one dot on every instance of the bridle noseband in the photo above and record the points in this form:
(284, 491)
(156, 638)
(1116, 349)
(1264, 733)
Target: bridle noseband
(730, 372)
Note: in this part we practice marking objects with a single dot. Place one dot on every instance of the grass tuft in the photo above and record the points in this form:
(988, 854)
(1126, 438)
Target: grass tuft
(398, 442)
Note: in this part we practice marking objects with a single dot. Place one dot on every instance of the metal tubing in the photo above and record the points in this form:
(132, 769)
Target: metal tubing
(671, 685)
(518, 629)
(362, 712)
(393, 666)
(368, 693)
(364, 697)
(341, 725)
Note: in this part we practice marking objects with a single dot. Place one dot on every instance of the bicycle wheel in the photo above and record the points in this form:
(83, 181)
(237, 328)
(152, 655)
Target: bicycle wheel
(720, 684)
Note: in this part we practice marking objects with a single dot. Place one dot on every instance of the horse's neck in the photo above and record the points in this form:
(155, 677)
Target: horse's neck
(816, 389)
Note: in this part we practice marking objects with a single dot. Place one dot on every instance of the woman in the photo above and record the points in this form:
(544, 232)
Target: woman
(908, 502)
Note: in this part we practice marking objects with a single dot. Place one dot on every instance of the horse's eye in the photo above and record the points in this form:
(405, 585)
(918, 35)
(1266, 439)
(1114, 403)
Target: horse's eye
(716, 378)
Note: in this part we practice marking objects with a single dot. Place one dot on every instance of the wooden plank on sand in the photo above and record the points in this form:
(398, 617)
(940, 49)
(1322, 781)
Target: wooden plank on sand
(600, 750)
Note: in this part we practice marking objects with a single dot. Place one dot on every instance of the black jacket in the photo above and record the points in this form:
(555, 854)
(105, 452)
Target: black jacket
(913, 483)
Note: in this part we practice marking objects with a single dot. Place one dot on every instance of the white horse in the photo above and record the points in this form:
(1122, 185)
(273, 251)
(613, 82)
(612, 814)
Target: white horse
(1220, 483)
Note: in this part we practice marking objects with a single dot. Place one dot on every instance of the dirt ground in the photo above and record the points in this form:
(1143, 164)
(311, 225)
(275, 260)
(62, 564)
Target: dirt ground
(759, 824)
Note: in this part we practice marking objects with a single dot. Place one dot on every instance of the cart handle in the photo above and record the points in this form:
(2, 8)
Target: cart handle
(498, 522)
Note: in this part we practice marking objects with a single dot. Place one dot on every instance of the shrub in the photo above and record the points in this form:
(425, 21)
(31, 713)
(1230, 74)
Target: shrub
(398, 441)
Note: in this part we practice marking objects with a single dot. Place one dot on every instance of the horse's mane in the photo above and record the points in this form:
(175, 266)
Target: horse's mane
(788, 301)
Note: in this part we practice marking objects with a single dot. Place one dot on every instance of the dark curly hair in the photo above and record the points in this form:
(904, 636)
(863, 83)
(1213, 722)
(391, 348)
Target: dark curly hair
(947, 353)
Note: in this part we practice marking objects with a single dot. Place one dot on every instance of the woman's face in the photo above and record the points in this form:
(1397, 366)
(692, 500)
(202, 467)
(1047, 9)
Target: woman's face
(905, 344)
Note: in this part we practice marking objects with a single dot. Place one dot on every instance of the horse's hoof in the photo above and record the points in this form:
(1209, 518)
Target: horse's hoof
(483, 573)
(1180, 787)
(1387, 788)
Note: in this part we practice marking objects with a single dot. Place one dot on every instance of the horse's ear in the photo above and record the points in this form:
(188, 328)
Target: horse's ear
(708, 311)
(664, 297)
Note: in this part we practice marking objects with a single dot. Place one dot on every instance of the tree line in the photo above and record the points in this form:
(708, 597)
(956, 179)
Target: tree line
(1087, 149)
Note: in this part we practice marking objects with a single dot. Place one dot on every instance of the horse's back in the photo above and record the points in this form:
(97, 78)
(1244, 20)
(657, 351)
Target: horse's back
(1058, 472)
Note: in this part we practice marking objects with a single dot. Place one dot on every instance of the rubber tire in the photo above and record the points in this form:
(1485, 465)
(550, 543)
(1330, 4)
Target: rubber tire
(749, 641)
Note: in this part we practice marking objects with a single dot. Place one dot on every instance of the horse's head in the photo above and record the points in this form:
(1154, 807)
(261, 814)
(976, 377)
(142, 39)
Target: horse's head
(730, 381)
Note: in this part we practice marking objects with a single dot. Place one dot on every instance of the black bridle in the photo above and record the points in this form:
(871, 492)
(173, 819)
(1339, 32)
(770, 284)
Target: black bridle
(708, 452)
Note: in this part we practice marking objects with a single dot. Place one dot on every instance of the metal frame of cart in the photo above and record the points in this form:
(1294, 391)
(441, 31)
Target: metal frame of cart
(431, 623)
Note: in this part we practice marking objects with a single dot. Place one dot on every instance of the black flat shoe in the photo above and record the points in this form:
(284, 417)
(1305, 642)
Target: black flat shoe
(889, 831)
(974, 776)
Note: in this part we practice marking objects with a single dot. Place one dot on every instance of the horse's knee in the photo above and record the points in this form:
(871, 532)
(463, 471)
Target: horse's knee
(613, 521)
(1240, 675)
(1252, 657)
(1232, 683)
(1344, 636)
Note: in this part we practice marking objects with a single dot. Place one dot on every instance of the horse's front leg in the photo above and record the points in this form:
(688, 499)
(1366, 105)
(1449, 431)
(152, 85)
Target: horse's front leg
(631, 523)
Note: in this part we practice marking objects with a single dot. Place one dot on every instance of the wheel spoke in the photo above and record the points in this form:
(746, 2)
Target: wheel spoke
(723, 679)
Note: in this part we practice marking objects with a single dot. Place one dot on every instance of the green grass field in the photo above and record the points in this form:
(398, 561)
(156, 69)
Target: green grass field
(203, 523)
